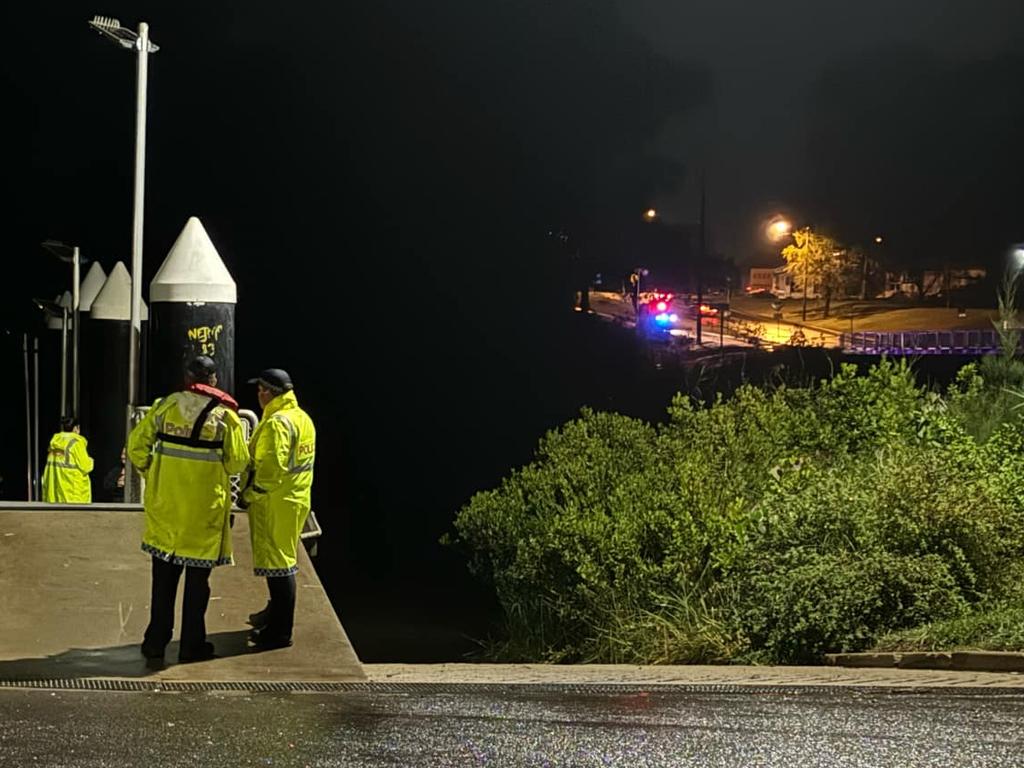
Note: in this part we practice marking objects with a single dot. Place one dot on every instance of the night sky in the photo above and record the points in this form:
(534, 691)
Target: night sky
(380, 179)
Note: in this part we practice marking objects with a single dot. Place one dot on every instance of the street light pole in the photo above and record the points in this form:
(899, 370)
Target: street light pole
(76, 272)
(140, 43)
(135, 332)
(63, 359)
(72, 255)
(701, 255)
(28, 422)
(803, 314)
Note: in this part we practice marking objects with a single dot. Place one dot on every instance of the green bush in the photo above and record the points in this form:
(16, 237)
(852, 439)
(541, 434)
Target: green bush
(778, 524)
(807, 604)
(986, 395)
(821, 572)
(595, 521)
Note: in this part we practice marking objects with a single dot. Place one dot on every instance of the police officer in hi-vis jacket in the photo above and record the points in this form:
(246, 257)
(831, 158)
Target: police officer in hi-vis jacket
(277, 495)
(186, 448)
(68, 464)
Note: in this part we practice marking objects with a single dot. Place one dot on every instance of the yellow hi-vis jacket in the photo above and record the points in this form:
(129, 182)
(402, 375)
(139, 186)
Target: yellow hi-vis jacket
(68, 464)
(187, 447)
(283, 448)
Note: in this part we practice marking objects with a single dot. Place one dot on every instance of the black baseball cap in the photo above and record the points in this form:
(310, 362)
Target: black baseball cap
(201, 366)
(275, 378)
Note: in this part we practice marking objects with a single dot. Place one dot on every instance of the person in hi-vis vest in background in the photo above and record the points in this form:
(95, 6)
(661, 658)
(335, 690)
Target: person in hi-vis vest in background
(68, 464)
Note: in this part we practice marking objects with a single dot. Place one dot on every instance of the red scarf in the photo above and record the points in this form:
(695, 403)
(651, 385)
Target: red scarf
(217, 394)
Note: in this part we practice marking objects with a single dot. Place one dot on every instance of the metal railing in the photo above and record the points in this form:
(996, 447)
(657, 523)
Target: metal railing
(976, 342)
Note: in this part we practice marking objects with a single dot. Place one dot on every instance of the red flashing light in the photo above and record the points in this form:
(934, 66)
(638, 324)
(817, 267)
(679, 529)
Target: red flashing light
(662, 306)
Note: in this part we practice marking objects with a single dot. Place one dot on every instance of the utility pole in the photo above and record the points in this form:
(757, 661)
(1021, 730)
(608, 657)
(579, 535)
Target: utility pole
(76, 279)
(803, 314)
(864, 277)
(701, 253)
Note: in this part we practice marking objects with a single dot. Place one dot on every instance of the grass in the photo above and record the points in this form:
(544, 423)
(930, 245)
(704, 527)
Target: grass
(1000, 628)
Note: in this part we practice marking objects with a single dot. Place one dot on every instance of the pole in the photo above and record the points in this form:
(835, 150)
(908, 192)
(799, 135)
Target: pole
(135, 331)
(807, 246)
(75, 297)
(63, 361)
(864, 277)
(35, 426)
(701, 253)
(28, 421)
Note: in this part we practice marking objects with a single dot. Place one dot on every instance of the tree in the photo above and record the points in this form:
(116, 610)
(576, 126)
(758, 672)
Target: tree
(813, 257)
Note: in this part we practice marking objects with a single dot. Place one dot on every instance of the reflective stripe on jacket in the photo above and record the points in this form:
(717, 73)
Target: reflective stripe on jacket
(283, 450)
(187, 472)
(68, 464)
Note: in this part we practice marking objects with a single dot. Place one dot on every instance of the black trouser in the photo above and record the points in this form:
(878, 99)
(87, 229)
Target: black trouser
(193, 609)
(282, 606)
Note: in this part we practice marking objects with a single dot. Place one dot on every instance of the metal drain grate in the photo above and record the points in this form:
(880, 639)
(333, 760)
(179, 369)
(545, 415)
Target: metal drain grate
(491, 689)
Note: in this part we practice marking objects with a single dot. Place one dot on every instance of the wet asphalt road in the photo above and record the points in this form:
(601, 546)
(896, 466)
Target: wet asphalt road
(415, 726)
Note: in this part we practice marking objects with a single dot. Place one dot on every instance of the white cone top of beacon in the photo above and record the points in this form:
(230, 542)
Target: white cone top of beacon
(114, 301)
(193, 271)
(90, 287)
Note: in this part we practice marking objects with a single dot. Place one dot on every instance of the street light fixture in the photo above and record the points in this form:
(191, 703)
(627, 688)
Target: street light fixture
(140, 43)
(779, 228)
(70, 255)
(1017, 257)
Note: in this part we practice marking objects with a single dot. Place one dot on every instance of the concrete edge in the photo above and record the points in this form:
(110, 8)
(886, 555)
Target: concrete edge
(966, 661)
(740, 676)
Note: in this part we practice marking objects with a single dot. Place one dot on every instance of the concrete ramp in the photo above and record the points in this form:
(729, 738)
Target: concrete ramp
(74, 602)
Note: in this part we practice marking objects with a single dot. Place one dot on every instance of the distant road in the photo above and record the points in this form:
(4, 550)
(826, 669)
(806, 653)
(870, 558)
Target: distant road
(614, 307)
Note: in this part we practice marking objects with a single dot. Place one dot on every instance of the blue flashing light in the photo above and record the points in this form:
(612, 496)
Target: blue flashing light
(661, 318)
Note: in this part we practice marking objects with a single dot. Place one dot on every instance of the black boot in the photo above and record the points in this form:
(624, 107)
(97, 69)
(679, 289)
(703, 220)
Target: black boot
(202, 652)
(261, 640)
(259, 619)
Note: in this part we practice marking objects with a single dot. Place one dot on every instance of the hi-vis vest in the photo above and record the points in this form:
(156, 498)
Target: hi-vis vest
(68, 464)
(187, 447)
(283, 449)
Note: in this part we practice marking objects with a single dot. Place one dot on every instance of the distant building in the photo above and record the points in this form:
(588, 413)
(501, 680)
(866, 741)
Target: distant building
(760, 279)
(786, 285)
(899, 284)
(935, 282)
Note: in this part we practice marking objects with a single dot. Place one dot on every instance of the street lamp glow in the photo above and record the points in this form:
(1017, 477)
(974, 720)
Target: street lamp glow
(878, 239)
(650, 214)
(779, 228)
(1018, 256)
